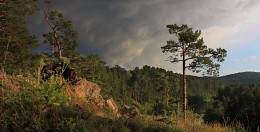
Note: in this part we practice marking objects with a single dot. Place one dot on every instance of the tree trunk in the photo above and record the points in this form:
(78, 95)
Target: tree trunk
(167, 95)
(56, 38)
(184, 88)
(52, 49)
(59, 51)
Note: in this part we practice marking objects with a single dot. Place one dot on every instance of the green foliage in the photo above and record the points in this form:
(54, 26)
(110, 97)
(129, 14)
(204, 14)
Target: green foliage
(31, 107)
(197, 104)
(238, 103)
(214, 114)
(156, 128)
(45, 107)
(149, 83)
(143, 85)
(242, 78)
(15, 41)
(63, 36)
(93, 68)
(163, 109)
(191, 49)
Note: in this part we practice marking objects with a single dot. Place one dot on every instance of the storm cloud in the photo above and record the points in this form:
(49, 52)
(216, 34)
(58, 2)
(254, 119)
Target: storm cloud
(130, 33)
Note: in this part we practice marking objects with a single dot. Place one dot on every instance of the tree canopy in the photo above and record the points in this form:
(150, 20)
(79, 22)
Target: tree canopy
(190, 48)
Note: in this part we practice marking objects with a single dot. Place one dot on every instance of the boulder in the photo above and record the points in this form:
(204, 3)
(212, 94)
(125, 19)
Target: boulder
(85, 89)
(85, 92)
(111, 104)
(87, 96)
(129, 112)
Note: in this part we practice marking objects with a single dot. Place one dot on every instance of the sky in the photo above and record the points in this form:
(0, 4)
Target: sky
(130, 33)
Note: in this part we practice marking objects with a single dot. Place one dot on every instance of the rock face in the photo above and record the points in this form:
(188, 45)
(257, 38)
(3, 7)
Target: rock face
(87, 96)
(85, 89)
(129, 112)
(111, 104)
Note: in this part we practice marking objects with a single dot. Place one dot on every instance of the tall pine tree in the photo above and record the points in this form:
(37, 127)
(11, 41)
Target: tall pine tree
(194, 55)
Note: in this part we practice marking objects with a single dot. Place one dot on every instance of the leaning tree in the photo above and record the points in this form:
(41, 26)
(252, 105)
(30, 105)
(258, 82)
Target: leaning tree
(187, 47)
(62, 38)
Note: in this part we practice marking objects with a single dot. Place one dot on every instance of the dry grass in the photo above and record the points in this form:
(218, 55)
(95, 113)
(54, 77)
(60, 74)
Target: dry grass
(194, 123)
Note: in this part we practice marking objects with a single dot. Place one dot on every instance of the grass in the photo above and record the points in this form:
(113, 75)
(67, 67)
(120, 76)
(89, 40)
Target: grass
(45, 107)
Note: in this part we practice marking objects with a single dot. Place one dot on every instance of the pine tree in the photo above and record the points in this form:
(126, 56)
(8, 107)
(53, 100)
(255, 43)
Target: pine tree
(189, 48)
(62, 38)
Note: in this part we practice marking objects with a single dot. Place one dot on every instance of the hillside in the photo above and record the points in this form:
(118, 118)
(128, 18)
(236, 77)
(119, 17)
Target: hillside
(242, 77)
(28, 106)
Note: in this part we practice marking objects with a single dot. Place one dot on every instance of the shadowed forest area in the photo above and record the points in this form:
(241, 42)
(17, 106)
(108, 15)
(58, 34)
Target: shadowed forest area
(62, 90)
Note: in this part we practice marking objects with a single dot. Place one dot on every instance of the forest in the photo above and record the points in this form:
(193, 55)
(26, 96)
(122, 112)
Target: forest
(232, 101)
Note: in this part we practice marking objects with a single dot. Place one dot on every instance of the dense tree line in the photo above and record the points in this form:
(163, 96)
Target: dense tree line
(15, 40)
(146, 84)
(237, 103)
(157, 91)
(242, 78)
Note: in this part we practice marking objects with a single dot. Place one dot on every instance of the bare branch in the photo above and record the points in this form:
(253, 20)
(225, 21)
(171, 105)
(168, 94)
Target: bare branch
(47, 18)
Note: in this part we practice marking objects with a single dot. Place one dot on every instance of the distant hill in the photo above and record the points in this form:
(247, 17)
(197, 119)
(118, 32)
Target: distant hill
(242, 77)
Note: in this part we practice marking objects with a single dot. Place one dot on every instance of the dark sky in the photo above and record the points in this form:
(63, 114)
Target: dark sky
(130, 33)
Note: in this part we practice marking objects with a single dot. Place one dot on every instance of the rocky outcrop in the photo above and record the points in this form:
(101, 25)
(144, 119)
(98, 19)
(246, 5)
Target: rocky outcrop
(129, 112)
(85, 89)
(111, 104)
(87, 96)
